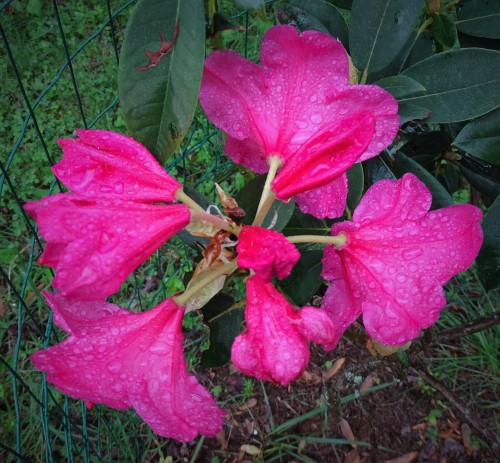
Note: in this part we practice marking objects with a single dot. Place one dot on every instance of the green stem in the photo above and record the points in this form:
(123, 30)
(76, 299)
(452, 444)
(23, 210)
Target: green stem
(268, 197)
(214, 220)
(191, 203)
(210, 276)
(338, 240)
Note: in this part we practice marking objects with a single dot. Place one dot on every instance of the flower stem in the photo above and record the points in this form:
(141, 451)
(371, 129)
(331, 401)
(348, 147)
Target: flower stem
(191, 203)
(214, 220)
(338, 240)
(210, 276)
(267, 198)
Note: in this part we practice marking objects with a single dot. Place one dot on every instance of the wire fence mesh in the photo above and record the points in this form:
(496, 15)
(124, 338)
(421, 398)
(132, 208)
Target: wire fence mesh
(58, 67)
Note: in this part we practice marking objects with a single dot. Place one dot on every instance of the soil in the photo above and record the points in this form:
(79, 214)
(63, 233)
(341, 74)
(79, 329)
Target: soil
(405, 421)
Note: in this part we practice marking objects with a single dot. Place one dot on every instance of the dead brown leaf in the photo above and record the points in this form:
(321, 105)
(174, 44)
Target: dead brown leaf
(466, 432)
(353, 457)
(368, 382)
(346, 430)
(221, 439)
(334, 369)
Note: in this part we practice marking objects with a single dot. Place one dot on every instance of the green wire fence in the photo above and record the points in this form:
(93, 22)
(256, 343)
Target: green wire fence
(58, 68)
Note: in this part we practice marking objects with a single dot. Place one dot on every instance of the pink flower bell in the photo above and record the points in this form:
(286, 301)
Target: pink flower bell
(275, 345)
(267, 252)
(396, 258)
(124, 359)
(298, 105)
(98, 236)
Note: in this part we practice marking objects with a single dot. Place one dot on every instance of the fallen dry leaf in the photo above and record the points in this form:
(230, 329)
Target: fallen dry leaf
(466, 432)
(353, 457)
(221, 439)
(346, 430)
(250, 449)
(334, 369)
(409, 457)
(368, 381)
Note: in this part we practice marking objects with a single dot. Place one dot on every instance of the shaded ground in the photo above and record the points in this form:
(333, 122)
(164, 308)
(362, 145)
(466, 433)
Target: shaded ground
(404, 421)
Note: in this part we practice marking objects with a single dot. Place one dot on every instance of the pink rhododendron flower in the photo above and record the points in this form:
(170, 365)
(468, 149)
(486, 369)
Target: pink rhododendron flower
(298, 105)
(396, 259)
(100, 164)
(97, 237)
(95, 245)
(124, 359)
(267, 252)
(275, 346)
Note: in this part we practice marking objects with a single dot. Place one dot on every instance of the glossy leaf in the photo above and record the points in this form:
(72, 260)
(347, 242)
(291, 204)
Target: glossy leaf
(356, 185)
(481, 137)
(461, 84)
(482, 175)
(305, 224)
(377, 169)
(480, 18)
(158, 93)
(401, 86)
(440, 197)
(305, 279)
(488, 261)
(248, 198)
(444, 29)
(378, 31)
(314, 12)
(224, 322)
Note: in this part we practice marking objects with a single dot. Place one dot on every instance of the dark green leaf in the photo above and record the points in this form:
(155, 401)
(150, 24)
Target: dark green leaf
(482, 175)
(461, 84)
(422, 48)
(488, 261)
(401, 86)
(451, 178)
(444, 29)
(411, 112)
(345, 4)
(427, 143)
(378, 31)
(440, 197)
(356, 185)
(481, 137)
(224, 322)
(158, 101)
(224, 22)
(304, 281)
(377, 169)
(248, 198)
(326, 14)
(480, 18)
(298, 18)
(305, 224)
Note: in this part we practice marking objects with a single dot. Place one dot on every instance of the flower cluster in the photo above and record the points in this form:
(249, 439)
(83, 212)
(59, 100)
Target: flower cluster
(296, 116)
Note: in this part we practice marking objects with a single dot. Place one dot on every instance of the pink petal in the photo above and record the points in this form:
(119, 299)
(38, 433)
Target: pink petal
(325, 156)
(355, 99)
(264, 108)
(271, 348)
(127, 359)
(111, 165)
(325, 201)
(398, 256)
(94, 246)
(267, 252)
(74, 316)
(315, 325)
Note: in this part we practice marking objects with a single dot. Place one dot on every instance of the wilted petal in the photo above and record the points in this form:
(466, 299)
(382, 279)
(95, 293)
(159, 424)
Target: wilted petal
(126, 359)
(397, 258)
(101, 164)
(267, 252)
(95, 245)
(325, 201)
(274, 347)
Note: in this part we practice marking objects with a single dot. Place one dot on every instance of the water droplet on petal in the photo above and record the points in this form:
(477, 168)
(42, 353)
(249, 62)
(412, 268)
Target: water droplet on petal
(412, 253)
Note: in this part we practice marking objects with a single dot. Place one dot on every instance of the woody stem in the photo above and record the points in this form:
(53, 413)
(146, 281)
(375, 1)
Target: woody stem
(268, 197)
(209, 276)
